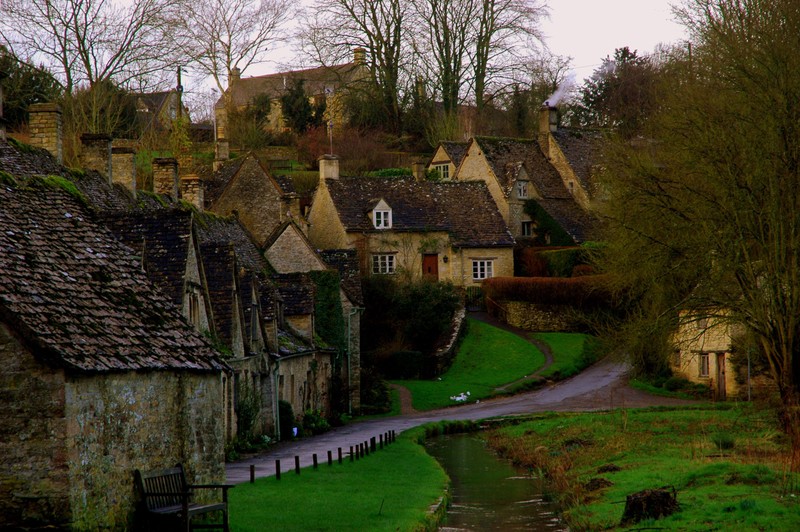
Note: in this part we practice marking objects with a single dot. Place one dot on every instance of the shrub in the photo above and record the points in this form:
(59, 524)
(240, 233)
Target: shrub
(247, 410)
(673, 384)
(314, 423)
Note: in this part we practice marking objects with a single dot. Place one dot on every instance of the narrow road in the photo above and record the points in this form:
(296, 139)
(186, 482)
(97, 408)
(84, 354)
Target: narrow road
(600, 387)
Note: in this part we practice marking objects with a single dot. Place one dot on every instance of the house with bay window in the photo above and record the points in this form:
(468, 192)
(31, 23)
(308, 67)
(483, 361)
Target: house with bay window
(399, 226)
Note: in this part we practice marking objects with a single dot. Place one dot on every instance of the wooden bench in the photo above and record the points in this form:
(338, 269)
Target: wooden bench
(167, 500)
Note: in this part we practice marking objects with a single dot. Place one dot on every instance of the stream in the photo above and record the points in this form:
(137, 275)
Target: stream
(487, 492)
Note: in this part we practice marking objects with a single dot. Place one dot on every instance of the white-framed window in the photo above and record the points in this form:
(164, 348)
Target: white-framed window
(383, 263)
(482, 269)
(443, 169)
(704, 364)
(522, 189)
(527, 228)
(382, 219)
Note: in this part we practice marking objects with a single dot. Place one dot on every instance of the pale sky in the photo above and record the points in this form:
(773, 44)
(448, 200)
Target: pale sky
(589, 30)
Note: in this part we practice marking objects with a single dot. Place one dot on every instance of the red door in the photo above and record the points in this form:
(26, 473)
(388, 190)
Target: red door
(430, 267)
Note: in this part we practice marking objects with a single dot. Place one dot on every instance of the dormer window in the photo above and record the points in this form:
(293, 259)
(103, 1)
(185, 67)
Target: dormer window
(522, 189)
(382, 216)
(383, 219)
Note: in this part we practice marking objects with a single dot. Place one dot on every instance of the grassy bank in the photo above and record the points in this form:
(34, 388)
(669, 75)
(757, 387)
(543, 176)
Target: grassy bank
(728, 465)
(390, 489)
(488, 357)
(571, 354)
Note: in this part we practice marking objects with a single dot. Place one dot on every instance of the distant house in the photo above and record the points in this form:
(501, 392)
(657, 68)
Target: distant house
(449, 231)
(702, 355)
(156, 111)
(326, 84)
(100, 373)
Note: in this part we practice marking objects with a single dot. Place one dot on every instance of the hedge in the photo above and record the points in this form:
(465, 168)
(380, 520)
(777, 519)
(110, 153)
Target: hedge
(587, 291)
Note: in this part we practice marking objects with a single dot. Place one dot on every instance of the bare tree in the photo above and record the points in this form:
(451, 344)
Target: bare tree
(90, 41)
(220, 35)
(446, 36)
(504, 33)
(379, 26)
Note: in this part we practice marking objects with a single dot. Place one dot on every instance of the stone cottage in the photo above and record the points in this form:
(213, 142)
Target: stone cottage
(328, 84)
(100, 373)
(448, 231)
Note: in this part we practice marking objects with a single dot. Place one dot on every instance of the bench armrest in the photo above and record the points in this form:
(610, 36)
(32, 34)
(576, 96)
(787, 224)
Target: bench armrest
(168, 494)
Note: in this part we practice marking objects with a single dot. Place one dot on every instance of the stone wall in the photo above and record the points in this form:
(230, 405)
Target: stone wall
(533, 317)
(69, 444)
(304, 381)
(122, 422)
(34, 480)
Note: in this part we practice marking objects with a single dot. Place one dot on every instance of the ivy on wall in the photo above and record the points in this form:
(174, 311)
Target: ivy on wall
(546, 227)
(329, 321)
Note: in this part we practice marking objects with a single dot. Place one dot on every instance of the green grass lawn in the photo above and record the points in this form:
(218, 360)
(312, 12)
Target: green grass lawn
(729, 465)
(568, 353)
(488, 357)
(390, 489)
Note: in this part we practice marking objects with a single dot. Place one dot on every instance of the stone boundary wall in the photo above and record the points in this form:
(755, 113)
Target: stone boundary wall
(534, 317)
(444, 357)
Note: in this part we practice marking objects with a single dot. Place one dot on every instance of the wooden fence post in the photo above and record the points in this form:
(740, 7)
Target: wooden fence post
(297, 464)
(278, 469)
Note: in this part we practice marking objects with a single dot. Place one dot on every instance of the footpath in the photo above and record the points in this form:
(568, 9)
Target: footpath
(603, 386)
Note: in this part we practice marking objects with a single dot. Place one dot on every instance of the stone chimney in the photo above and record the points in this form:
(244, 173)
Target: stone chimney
(360, 56)
(165, 176)
(192, 190)
(235, 76)
(548, 119)
(418, 171)
(46, 128)
(123, 167)
(96, 153)
(328, 167)
(222, 152)
(3, 76)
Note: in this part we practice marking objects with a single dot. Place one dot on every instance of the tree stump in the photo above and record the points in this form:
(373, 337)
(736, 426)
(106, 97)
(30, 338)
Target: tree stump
(649, 504)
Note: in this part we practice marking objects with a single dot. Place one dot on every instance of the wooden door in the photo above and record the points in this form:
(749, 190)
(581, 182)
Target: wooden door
(430, 267)
(721, 391)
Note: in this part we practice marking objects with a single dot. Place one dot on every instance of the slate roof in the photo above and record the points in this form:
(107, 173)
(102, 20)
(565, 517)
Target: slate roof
(75, 294)
(463, 209)
(502, 154)
(219, 263)
(297, 291)
(455, 150)
(578, 223)
(252, 266)
(161, 238)
(582, 149)
(346, 261)
(317, 80)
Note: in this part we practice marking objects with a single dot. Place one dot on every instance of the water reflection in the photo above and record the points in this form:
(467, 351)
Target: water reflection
(487, 493)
